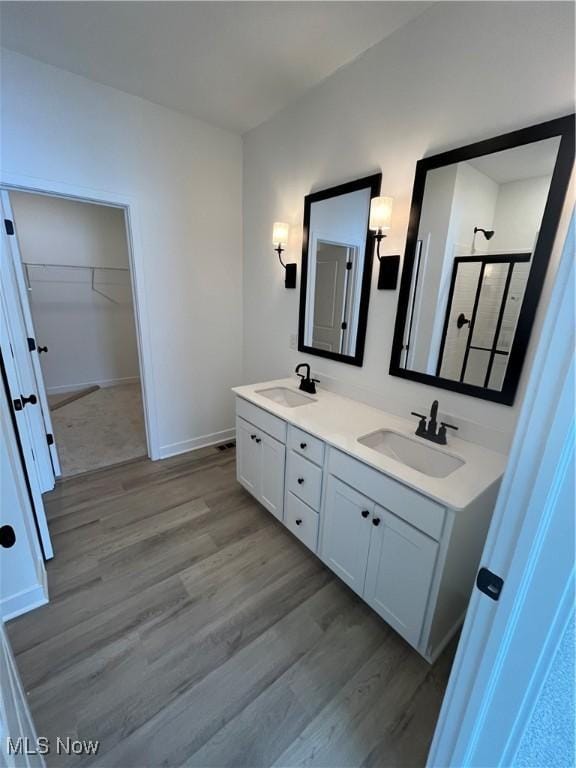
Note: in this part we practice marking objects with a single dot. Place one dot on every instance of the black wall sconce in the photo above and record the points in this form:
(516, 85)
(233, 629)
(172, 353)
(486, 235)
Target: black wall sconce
(389, 266)
(280, 239)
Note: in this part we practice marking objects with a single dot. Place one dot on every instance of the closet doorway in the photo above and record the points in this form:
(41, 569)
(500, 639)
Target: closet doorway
(76, 268)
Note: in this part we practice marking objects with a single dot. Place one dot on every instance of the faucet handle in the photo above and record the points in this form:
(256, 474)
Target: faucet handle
(450, 426)
(420, 415)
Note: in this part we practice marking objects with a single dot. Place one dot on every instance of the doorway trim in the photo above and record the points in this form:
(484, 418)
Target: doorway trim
(21, 183)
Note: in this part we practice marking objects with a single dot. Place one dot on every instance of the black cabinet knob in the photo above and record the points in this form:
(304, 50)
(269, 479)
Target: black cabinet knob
(258, 439)
(375, 521)
(365, 513)
(7, 536)
(298, 522)
(252, 437)
(303, 445)
(31, 399)
(42, 349)
(300, 480)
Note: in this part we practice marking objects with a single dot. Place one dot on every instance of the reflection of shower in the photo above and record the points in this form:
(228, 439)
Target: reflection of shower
(488, 233)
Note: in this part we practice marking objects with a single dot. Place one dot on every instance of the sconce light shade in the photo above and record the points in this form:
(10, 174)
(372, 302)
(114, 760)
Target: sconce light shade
(280, 232)
(381, 213)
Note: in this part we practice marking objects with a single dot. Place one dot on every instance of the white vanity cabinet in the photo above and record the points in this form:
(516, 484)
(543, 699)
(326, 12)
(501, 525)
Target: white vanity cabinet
(384, 559)
(411, 558)
(261, 455)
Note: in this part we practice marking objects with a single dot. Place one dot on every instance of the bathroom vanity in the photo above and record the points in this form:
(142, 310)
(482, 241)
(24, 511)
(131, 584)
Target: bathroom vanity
(401, 521)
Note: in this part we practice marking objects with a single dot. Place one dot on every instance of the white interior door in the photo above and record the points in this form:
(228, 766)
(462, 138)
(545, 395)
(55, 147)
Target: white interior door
(17, 732)
(15, 257)
(26, 426)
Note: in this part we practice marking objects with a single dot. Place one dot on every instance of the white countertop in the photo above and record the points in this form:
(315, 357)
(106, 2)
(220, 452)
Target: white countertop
(340, 421)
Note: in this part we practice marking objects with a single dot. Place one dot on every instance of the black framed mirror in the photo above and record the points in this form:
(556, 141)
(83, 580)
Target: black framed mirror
(482, 226)
(337, 250)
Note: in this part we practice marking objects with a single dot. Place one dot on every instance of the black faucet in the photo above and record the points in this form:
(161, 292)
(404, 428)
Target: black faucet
(307, 384)
(429, 431)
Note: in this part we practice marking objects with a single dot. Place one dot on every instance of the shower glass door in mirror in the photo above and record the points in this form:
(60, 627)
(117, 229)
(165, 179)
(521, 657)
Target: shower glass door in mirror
(336, 270)
(473, 254)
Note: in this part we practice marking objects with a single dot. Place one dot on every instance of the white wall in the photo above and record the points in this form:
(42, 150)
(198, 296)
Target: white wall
(186, 179)
(90, 339)
(519, 211)
(459, 73)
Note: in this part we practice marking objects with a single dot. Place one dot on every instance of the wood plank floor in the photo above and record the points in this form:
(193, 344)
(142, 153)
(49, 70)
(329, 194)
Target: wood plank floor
(187, 627)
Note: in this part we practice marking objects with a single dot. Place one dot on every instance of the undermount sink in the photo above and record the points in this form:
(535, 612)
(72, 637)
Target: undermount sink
(424, 458)
(286, 397)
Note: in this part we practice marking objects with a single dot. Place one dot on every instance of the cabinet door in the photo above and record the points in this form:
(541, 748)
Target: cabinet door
(346, 530)
(400, 569)
(248, 456)
(272, 479)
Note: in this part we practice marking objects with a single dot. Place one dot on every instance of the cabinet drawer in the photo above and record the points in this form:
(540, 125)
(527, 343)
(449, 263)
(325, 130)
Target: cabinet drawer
(418, 510)
(301, 520)
(270, 424)
(306, 444)
(304, 479)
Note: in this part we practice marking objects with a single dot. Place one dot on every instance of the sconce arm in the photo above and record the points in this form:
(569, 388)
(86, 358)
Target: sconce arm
(279, 251)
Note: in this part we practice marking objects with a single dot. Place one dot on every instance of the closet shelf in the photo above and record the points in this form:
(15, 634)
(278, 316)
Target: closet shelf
(92, 268)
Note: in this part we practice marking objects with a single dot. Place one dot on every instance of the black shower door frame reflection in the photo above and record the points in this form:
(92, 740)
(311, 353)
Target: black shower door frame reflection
(509, 258)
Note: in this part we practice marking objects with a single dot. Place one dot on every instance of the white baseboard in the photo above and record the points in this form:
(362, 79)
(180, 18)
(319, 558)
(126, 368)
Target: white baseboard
(173, 449)
(22, 602)
(63, 388)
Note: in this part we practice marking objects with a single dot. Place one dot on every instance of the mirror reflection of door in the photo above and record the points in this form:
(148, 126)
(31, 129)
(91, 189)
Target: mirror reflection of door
(332, 299)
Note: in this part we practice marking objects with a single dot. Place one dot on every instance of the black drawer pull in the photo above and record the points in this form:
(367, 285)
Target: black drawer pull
(42, 349)
(300, 480)
(365, 513)
(258, 439)
(252, 437)
(375, 521)
(303, 445)
(298, 522)
(31, 399)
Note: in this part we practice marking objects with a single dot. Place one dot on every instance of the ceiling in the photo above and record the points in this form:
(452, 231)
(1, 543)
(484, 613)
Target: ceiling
(234, 64)
(525, 162)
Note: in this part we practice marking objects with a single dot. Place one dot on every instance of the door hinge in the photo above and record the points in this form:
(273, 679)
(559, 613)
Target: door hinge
(348, 265)
(31, 344)
(489, 583)
(9, 225)
(49, 438)
(344, 326)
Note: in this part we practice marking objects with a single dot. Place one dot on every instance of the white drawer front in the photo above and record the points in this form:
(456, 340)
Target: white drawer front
(418, 510)
(310, 447)
(302, 521)
(304, 479)
(270, 424)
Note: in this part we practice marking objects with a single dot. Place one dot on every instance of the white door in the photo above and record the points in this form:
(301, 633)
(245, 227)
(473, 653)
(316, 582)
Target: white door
(346, 531)
(27, 386)
(272, 477)
(22, 423)
(330, 295)
(248, 470)
(15, 257)
(17, 733)
(400, 568)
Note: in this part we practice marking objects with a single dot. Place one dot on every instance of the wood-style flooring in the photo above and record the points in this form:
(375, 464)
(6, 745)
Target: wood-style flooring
(187, 627)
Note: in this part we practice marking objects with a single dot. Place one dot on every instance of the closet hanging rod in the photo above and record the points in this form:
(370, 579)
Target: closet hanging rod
(74, 266)
(92, 269)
